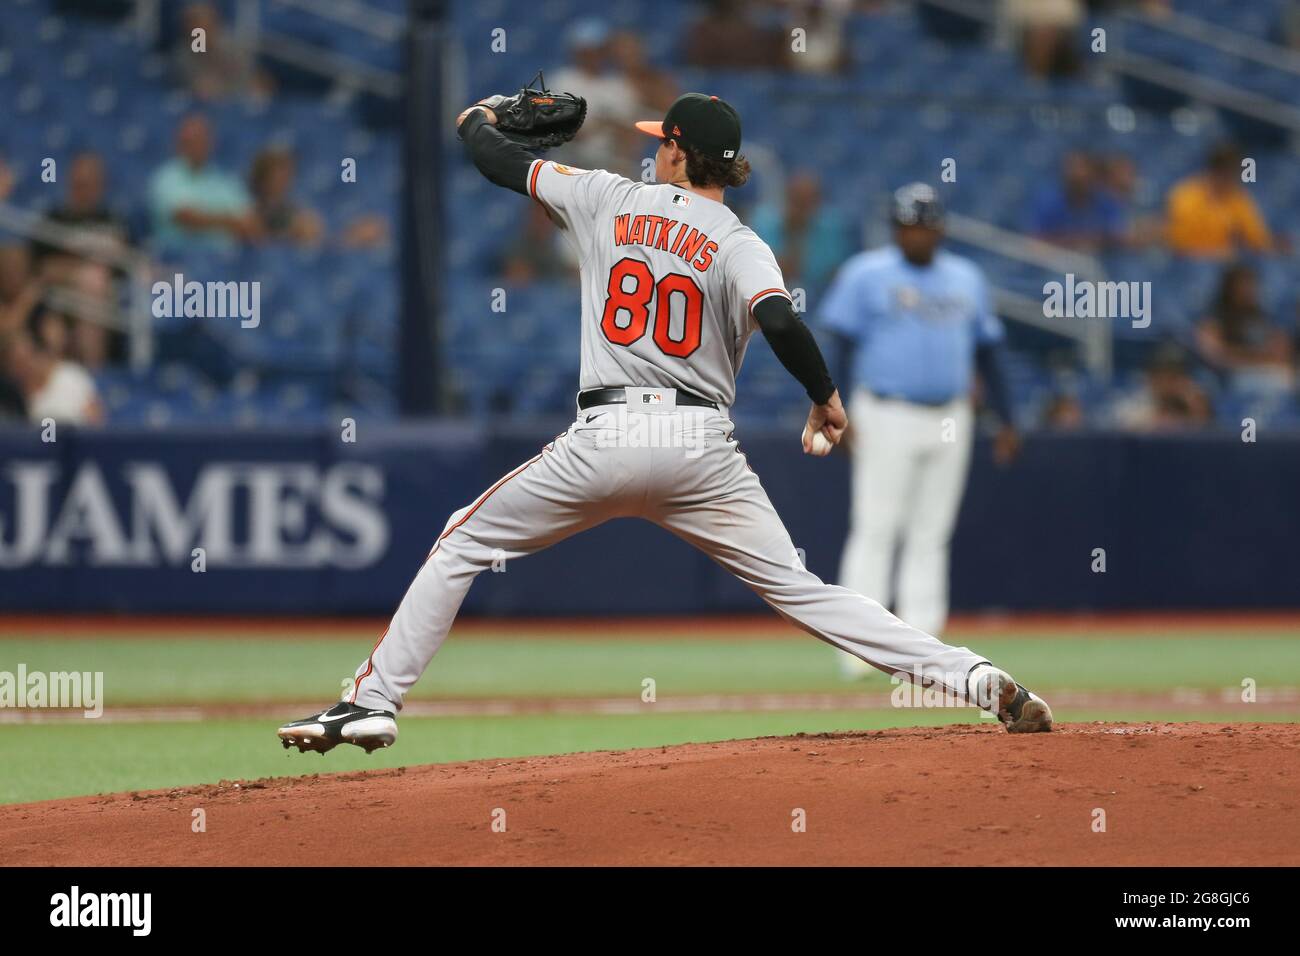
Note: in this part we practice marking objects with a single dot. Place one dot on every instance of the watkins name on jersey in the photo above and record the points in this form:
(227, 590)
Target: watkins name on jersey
(675, 237)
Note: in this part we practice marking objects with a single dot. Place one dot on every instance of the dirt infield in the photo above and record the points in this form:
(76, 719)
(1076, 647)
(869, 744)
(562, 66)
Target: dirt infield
(1187, 794)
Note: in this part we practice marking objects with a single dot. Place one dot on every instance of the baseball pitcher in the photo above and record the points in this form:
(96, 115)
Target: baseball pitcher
(673, 285)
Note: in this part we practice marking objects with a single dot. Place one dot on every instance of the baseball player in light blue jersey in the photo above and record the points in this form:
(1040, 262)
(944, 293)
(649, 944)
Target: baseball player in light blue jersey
(911, 323)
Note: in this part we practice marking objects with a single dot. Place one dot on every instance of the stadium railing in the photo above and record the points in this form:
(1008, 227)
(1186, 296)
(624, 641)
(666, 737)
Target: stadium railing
(1094, 338)
(136, 267)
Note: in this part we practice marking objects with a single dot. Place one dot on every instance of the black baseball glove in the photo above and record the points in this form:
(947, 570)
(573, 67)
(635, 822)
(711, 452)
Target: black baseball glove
(538, 119)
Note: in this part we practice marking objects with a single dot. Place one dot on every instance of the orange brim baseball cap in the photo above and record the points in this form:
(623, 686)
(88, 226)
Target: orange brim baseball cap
(699, 122)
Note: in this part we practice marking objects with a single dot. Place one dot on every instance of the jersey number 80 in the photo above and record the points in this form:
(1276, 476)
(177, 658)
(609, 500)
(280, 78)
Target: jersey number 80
(636, 303)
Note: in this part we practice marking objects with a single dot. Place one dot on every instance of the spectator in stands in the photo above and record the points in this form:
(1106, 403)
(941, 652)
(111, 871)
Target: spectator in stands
(279, 216)
(6, 180)
(196, 204)
(99, 228)
(727, 37)
(6, 188)
(82, 340)
(225, 67)
(1078, 211)
(1045, 32)
(1169, 397)
(11, 397)
(607, 139)
(653, 88)
(535, 252)
(1064, 412)
(100, 232)
(1119, 177)
(51, 387)
(20, 291)
(825, 49)
(810, 239)
(1238, 338)
(52, 332)
(1288, 24)
(1211, 214)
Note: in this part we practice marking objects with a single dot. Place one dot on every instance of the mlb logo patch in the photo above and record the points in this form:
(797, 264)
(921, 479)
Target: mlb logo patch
(680, 200)
(650, 401)
(728, 153)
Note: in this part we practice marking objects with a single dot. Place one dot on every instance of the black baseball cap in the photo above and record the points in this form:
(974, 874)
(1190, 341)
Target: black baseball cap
(701, 123)
(916, 204)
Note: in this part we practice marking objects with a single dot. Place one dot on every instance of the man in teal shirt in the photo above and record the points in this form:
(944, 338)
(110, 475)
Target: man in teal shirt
(195, 204)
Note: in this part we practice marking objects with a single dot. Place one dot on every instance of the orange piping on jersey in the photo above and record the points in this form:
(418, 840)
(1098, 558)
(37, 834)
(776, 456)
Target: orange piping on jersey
(764, 293)
(370, 664)
(532, 180)
(482, 498)
(370, 661)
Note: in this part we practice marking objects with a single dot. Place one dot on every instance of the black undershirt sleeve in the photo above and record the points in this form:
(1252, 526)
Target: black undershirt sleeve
(497, 158)
(795, 347)
(991, 360)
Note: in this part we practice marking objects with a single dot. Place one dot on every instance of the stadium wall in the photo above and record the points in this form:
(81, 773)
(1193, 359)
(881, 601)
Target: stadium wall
(298, 521)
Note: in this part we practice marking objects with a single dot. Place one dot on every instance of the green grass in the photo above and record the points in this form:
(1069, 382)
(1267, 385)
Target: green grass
(85, 758)
(241, 668)
(55, 760)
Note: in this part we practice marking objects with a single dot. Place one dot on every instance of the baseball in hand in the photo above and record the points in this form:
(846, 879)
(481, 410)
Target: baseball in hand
(821, 445)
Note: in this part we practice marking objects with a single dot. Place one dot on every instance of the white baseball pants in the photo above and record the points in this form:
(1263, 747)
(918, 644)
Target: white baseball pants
(681, 469)
(910, 464)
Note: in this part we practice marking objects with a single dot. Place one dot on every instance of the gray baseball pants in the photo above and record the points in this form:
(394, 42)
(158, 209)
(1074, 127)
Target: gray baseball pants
(682, 470)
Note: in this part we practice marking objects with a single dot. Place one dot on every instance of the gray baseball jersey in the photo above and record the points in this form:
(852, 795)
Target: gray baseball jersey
(669, 280)
(669, 283)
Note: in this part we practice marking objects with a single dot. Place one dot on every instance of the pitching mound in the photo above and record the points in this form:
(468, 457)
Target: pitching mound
(1188, 794)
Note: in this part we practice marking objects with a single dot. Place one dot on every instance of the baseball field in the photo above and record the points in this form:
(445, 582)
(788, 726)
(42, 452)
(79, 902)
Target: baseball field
(715, 741)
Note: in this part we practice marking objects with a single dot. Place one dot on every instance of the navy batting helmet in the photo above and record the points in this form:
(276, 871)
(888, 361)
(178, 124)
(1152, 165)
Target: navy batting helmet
(916, 204)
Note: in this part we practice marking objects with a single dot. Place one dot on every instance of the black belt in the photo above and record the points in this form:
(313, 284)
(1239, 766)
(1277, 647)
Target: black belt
(618, 396)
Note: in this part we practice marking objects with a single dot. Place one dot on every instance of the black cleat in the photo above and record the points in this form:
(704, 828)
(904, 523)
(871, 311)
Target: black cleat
(343, 723)
(1020, 711)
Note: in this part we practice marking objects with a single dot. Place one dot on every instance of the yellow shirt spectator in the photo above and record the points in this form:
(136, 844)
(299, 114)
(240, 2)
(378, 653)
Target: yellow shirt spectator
(1208, 217)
